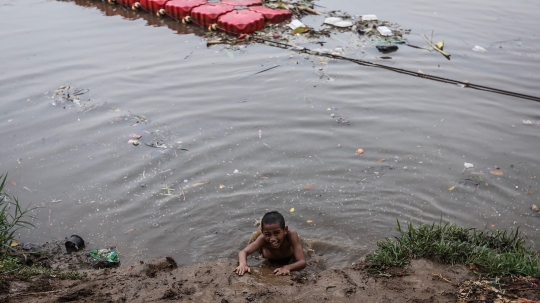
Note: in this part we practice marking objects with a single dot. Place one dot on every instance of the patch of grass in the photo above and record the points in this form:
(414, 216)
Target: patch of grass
(11, 216)
(495, 252)
(10, 265)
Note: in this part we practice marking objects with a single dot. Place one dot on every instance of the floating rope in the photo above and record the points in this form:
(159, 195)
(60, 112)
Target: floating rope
(394, 69)
(308, 51)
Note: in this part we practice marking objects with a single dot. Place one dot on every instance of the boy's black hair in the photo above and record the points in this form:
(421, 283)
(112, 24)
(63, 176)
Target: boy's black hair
(272, 218)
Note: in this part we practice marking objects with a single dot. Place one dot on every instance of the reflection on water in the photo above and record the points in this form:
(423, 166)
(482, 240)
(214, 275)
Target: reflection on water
(222, 144)
(129, 14)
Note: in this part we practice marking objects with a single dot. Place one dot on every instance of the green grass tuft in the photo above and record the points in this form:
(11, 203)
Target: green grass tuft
(496, 252)
(11, 216)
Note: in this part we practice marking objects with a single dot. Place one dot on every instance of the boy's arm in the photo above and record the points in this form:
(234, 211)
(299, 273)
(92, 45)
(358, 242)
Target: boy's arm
(298, 255)
(242, 255)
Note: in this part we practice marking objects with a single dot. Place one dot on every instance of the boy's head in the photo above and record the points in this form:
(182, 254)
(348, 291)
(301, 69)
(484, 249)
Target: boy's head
(272, 218)
(273, 229)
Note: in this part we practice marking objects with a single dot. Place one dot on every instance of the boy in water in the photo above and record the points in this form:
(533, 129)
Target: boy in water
(277, 243)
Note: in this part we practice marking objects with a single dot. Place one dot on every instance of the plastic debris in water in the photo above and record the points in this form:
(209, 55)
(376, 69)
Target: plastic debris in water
(292, 210)
(384, 31)
(480, 49)
(343, 24)
(332, 20)
(296, 24)
(260, 133)
(359, 151)
(338, 22)
(369, 18)
(135, 136)
(468, 165)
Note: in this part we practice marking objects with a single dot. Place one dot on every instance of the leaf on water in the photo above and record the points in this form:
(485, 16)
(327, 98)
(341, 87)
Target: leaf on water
(14, 244)
(197, 184)
(440, 45)
(496, 172)
(308, 186)
(535, 208)
(381, 160)
(309, 221)
(292, 210)
(130, 230)
(299, 30)
(451, 188)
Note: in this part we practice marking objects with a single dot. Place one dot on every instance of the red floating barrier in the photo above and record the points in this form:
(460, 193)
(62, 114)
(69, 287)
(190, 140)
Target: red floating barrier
(153, 5)
(272, 15)
(241, 21)
(181, 8)
(242, 2)
(208, 14)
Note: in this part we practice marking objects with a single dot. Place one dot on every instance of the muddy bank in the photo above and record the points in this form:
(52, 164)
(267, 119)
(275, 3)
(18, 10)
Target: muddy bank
(162, 281)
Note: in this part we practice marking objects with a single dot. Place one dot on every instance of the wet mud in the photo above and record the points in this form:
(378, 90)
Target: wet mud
(161, 280)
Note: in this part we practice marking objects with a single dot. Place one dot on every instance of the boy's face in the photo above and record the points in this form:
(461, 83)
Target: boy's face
(274, 234)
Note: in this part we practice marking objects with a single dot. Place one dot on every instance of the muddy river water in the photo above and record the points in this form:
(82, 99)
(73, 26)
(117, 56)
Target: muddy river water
(240, 143)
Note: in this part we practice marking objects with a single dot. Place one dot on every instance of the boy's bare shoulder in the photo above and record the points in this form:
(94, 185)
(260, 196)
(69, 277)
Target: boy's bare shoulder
(292, 233)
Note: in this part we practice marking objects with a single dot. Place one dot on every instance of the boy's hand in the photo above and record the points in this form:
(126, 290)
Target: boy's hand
(242, 269)
(282, 271)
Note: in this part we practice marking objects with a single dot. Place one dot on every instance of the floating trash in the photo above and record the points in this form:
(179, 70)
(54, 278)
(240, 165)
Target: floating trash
(369, 18)
(384, 31)
(480, 49)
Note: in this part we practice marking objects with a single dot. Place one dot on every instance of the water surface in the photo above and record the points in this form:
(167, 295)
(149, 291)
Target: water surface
(75, 163)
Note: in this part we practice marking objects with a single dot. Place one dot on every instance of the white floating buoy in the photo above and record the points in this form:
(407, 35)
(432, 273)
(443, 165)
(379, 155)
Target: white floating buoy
(213, 27)
(186, 20)
(161, 13)
(136, 6)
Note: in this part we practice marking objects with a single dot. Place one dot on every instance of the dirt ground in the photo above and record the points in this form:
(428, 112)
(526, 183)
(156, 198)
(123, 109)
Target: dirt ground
(162, 281)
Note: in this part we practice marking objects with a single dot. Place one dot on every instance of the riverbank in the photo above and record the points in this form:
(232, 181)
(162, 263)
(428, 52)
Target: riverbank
(72, 279)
